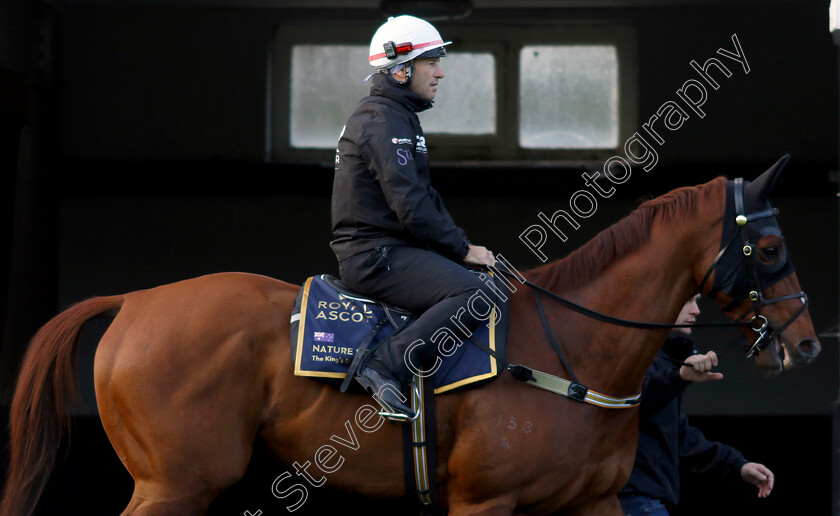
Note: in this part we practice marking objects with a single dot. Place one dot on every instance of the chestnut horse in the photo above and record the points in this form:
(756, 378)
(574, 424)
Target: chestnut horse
(190, 374)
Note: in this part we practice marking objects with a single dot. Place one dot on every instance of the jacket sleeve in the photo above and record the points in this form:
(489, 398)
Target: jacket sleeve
(701, 455)
(660, 386)
(417, 205)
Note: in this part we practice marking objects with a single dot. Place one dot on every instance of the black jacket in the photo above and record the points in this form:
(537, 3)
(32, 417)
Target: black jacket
(666, 440)
(382, 193)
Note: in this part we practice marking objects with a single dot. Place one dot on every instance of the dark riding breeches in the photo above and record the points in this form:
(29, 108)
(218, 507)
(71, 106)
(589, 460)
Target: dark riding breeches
(445, 294)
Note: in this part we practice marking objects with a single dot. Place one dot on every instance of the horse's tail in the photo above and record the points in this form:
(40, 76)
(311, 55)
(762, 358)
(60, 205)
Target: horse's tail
(36, 421)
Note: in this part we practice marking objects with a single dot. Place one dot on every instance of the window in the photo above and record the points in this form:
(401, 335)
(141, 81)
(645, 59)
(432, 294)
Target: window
(327, 81)
(568, 97)
(466, 100)
(526, 93)
(324, 93)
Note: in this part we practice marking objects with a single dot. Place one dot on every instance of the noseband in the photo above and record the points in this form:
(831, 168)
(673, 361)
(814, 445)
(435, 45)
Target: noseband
(754, 275)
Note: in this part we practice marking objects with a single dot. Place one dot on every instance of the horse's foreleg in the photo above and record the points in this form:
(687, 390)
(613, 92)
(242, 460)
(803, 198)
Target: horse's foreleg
(502, 506)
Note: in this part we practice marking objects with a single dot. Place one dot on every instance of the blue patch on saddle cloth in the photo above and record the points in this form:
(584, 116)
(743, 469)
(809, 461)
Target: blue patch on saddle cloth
(329, 322)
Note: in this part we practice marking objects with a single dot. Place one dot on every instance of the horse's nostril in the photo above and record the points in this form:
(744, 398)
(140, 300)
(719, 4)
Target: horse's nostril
(808, 348)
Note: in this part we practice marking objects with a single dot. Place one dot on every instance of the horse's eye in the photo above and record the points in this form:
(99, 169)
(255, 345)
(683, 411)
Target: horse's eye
(771, 253)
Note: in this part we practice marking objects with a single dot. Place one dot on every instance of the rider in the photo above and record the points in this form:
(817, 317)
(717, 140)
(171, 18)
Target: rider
(393, 237)
(666, 440)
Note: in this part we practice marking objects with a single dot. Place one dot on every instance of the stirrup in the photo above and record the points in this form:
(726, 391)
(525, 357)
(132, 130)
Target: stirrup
(374, 382)
(398, 417)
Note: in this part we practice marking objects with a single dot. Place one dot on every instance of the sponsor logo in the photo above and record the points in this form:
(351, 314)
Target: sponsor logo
(421, 144)
(404, 156)
(345, 311)
(401, 141)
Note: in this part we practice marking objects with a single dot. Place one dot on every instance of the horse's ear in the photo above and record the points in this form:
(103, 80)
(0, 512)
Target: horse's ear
(759, 190)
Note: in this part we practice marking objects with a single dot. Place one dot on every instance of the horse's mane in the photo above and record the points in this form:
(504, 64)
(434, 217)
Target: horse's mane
(623, 237)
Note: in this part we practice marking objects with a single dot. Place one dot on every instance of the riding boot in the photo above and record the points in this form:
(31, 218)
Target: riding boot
(386, 391)
(391, 359)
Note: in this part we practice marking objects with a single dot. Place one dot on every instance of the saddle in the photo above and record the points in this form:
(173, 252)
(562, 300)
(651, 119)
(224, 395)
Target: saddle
(330, 323)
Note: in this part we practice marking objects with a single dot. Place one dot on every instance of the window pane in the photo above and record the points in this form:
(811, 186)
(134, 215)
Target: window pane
(327, 82)
(568, 97)
(465, 102)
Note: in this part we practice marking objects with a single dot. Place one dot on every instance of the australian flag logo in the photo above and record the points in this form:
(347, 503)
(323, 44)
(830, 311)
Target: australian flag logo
(322, 336)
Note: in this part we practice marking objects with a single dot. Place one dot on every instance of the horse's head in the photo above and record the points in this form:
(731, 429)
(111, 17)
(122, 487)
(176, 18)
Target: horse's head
(754, 278)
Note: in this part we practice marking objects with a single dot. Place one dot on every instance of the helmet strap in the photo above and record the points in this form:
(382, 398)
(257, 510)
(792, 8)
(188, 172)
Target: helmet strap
(409, 71)
(407, 67)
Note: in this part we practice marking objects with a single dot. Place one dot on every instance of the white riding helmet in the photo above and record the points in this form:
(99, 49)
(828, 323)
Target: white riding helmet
(402, 39)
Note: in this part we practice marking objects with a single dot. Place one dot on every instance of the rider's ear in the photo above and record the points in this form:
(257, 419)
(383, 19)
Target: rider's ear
(758, 191)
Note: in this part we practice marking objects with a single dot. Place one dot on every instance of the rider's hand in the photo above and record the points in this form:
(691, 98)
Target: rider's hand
(758, 475)
(699, 368)
(479, 255)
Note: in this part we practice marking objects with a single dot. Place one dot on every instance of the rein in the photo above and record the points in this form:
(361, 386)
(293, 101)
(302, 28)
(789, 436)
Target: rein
(617, 321)
(574, 390)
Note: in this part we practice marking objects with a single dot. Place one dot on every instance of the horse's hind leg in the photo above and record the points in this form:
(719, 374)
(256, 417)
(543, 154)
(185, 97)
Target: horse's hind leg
(180, 461)
(177, 472)
(190, 506)
(167, 485)
(167, 497)
(181, 414)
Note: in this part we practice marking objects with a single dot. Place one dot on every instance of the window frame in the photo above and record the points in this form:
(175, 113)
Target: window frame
(279, 89)
(504, 42)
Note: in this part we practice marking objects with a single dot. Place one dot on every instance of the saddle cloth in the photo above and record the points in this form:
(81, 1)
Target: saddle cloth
(329, 322)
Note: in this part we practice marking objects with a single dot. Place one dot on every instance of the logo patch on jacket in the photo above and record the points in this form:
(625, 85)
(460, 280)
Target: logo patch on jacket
(421, 144)
(404, 156)
(401, 141)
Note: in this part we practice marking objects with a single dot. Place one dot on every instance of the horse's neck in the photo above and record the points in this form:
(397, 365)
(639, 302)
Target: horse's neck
(651, 285)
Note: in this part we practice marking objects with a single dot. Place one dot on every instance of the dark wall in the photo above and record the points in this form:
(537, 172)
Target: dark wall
(117, 244)
(163, 132)
(160, 176)
(190, 83)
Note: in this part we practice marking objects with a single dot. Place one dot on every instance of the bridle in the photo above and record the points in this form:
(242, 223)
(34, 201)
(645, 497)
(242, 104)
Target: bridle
(754, 275)
(735, 285)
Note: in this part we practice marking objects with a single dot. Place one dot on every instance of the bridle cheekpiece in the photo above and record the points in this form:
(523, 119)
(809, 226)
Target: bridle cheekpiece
(728, 265)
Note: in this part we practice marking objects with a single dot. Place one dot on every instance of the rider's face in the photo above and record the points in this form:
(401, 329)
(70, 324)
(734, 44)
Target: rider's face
(425, 77)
